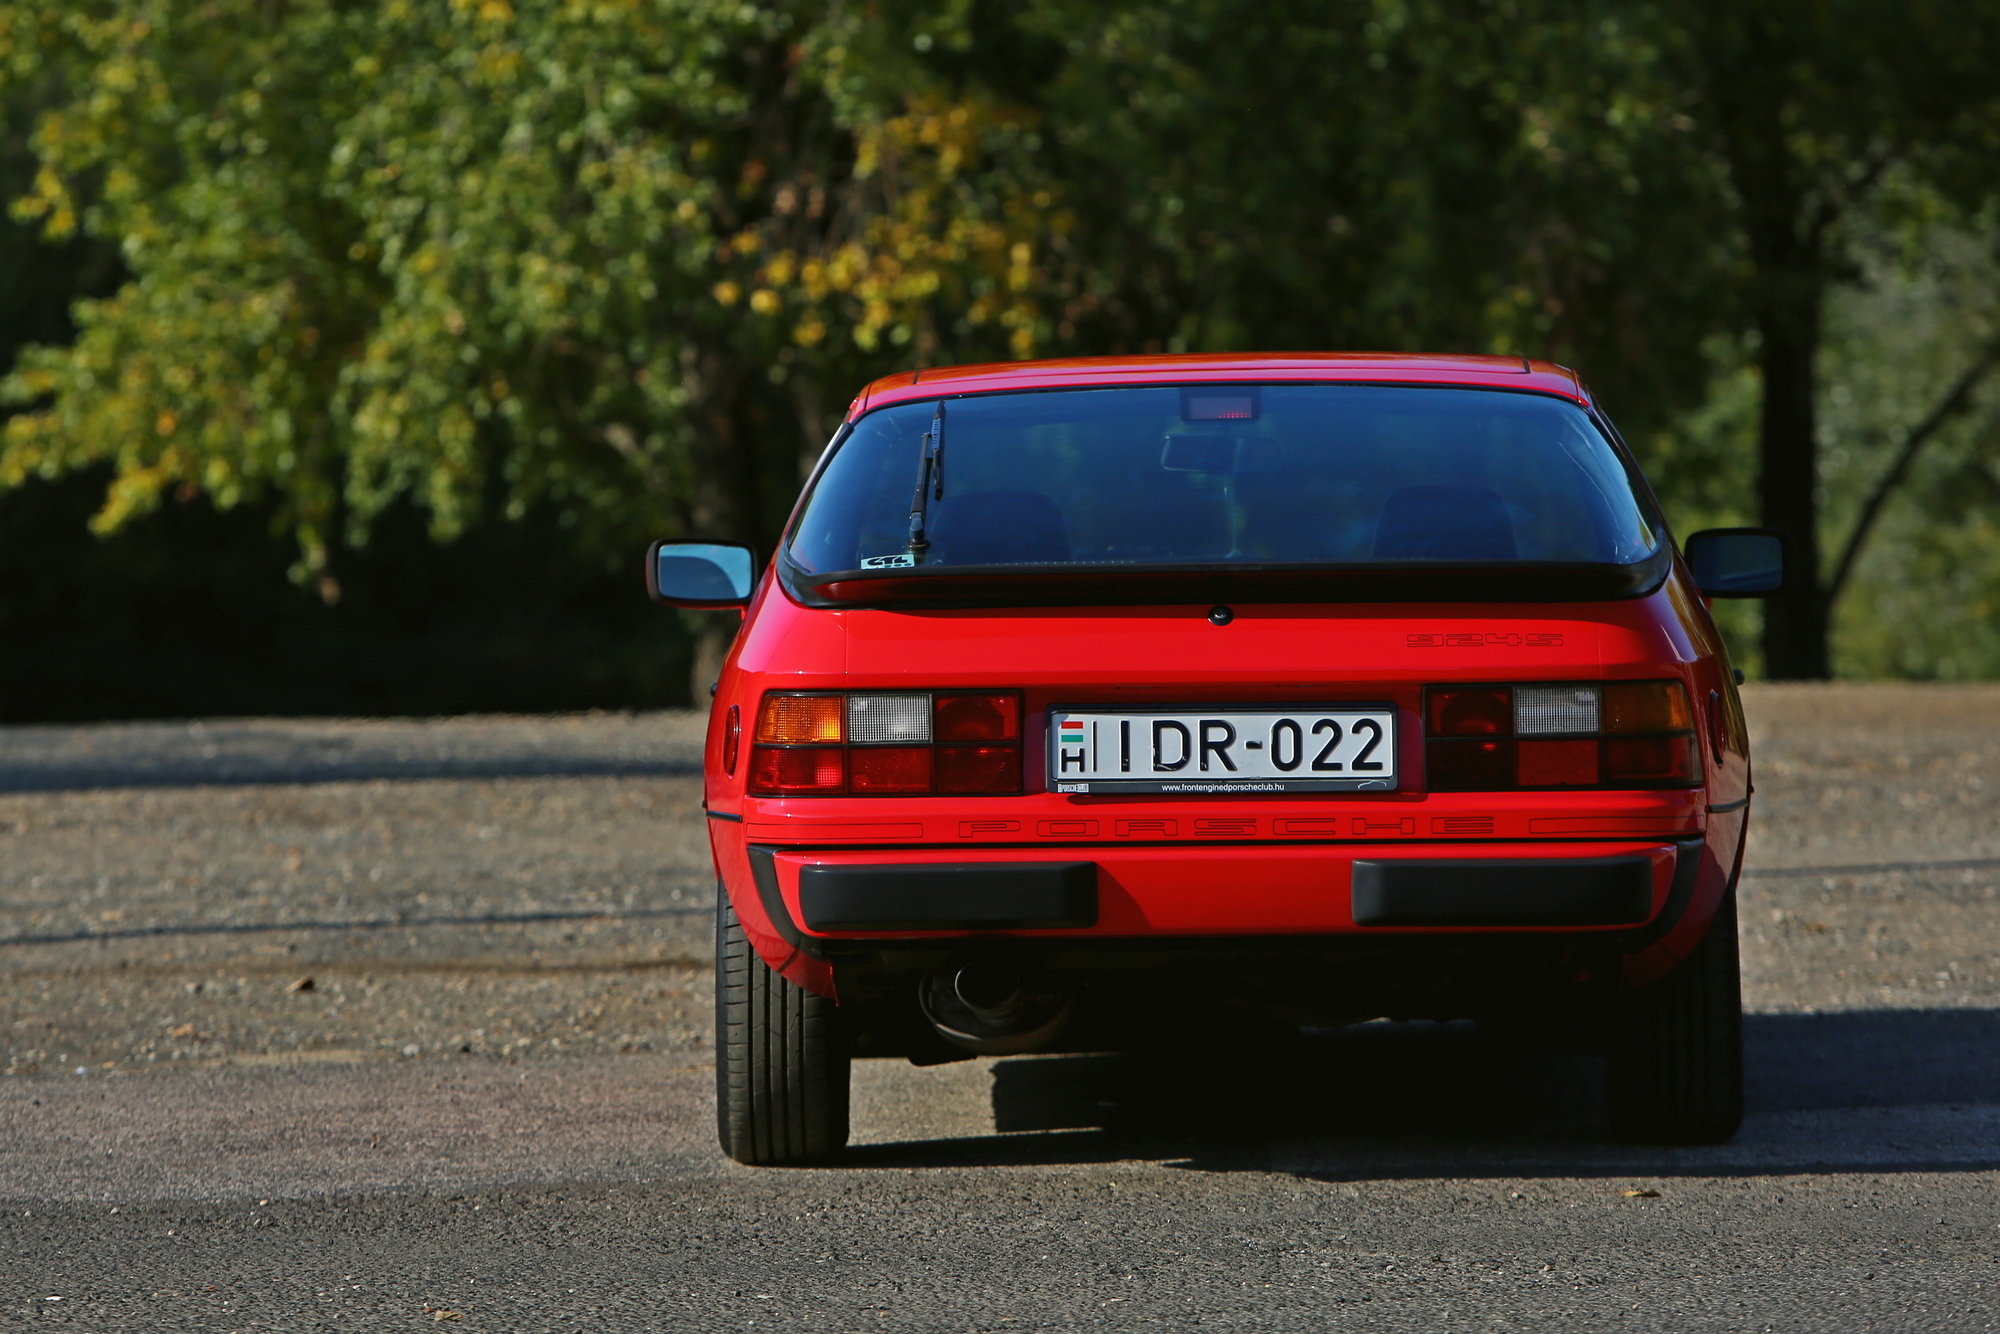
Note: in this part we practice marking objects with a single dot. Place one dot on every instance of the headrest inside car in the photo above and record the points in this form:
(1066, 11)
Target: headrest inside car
(1444, 523)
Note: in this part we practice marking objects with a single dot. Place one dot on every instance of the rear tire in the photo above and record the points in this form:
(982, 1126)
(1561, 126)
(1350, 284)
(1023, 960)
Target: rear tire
(781, 1058)
(1676, 1054)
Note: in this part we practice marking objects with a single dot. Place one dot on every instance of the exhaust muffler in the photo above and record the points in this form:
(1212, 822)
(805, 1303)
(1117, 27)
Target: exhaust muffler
(992, 1009)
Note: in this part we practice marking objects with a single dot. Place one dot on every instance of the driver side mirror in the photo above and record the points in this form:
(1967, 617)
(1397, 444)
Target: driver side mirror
(709, 575)
(1738, 562)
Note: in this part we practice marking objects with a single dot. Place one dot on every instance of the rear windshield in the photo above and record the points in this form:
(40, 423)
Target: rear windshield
(1218, 474)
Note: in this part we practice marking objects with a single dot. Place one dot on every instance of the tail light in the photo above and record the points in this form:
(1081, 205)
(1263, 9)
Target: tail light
(964, 743)
(1617, 734)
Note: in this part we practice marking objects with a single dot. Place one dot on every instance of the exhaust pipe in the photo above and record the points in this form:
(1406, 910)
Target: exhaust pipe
(992, 994)
(990, 1009)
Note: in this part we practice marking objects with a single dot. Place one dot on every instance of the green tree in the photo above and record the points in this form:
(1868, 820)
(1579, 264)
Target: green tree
(622, 258)
(1810, 106)
(1638, 189)
(612, 256)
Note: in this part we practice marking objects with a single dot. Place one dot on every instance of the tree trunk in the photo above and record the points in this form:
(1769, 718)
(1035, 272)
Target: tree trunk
(1795, 641)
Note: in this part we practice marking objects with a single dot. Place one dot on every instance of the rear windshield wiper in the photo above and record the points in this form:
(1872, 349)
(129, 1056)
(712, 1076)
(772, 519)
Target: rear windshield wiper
(930, 481)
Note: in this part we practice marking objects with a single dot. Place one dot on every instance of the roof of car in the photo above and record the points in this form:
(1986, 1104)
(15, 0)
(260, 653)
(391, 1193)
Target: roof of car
(1261, 367)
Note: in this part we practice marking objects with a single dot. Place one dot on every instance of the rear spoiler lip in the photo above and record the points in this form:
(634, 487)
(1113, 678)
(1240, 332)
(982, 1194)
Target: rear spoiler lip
(1018, 586)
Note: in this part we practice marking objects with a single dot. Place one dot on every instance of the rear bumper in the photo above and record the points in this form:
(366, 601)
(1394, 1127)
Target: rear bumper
(823, 901)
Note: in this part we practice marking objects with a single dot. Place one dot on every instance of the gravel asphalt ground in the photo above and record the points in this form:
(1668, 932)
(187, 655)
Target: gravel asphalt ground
(386, 1025)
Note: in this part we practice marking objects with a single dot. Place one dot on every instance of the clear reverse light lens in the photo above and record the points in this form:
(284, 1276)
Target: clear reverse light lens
(888, 718)
(1554, 710)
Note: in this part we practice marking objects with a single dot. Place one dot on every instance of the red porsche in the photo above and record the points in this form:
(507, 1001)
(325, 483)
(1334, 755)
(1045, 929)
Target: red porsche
(1221, 696)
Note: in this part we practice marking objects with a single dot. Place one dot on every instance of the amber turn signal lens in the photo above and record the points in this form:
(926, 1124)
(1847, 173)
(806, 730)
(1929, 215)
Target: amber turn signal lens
(1646, 706)
(1486, 711)
(802, 720)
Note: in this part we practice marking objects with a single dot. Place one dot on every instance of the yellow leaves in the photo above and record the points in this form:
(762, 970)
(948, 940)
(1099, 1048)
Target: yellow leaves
(813, 279)
(846, 266)
(35, 381)
(1020, 266)
(726, 293)
(765, 302)
(498, 64)
(810, 332)
(166, 423)
(49, 199)
(130, 494)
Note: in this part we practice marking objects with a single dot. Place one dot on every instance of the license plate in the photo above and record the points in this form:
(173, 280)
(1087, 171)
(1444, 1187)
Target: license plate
(1331, 748)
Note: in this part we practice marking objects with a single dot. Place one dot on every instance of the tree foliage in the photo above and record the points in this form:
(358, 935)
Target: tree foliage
(623, 260)
(613, 255)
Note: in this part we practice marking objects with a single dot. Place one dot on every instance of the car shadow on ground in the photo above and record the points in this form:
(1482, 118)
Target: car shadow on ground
(1885, 1090)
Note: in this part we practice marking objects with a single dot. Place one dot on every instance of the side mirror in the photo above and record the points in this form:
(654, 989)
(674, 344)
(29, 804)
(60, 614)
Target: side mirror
(701, 574)
(1738, 562)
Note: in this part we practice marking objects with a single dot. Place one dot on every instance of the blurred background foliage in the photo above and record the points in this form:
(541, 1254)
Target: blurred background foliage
(356, 350)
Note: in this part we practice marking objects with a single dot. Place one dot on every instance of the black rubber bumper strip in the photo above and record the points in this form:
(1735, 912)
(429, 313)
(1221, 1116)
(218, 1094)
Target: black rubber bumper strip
(764, 872)
(949, 896)
(1687, 867)
(1575, 891)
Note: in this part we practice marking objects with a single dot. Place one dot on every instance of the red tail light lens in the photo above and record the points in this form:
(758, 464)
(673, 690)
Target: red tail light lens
(1629, 734)
(732, 739)
(890, 769)
(1557, 764)
(977, 718)
(966, 770)
(790, 771)
(1487, 711)
(879, 743)
(1470, 766)
(1653, 761)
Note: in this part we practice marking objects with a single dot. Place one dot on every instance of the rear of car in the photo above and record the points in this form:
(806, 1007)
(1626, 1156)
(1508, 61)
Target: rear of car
(1194, 699)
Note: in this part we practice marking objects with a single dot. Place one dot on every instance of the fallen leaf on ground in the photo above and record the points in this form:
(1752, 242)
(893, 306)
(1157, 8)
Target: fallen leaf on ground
(303, 984)
(1641, 1194)
(444, 1315)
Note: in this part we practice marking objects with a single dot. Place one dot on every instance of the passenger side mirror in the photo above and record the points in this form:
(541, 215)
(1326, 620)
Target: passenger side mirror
(1737, 562)
(701, 574)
